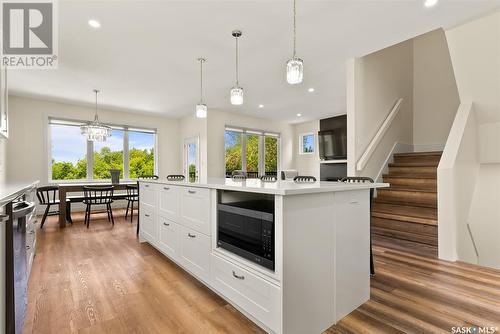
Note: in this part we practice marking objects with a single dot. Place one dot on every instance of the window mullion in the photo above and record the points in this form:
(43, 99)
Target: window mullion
(90, 160)
(125, 154)
(244, 152)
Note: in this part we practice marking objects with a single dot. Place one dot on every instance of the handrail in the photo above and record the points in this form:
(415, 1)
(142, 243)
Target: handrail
(378, 136)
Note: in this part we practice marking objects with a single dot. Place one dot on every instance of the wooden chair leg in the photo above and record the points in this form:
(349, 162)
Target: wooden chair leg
(111, 214)
(126, 212)
(131, 211)
(45, 215)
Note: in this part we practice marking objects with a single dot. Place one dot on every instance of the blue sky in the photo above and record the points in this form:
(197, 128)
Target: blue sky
(69, 145)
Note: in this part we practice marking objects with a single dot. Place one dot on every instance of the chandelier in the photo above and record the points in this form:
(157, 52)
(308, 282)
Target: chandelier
(295, 66)
(237, 91)
(95, 130)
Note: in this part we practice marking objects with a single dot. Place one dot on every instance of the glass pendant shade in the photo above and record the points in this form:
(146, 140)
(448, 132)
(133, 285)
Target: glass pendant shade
(201, 110)
(236, 96)
(294, 71)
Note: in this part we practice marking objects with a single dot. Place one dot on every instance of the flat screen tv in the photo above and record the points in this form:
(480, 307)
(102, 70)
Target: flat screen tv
(333, 144)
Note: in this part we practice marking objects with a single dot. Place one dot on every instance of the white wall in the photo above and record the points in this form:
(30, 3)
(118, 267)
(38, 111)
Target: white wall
(375, 83)
(475, 54)
(489, 143)
(435, 94)
(217, 121)
(306, 164)
(27, 148)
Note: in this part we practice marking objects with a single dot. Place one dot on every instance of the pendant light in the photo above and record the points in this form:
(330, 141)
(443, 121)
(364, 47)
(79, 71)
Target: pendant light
(201, 108)
(295, 66)
(237, 91)
(96, 131)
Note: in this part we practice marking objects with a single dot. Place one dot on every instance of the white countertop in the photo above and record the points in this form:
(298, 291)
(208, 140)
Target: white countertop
(9, 191)
(276, 188)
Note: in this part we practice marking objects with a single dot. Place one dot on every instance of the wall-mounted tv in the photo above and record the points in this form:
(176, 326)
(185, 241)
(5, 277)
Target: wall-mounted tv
(333, 141)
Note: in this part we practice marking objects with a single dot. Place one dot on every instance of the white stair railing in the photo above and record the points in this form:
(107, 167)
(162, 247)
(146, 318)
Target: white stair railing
(378, 136)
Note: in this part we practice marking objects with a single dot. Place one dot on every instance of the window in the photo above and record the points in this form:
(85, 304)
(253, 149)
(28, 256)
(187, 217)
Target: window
(132, 151)
(254, 152)
(68, 152)
(306, 143)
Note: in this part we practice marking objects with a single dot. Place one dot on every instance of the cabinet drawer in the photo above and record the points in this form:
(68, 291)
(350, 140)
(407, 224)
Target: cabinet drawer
(195, 209)
(169, 201)
(147, 193)
(195, 252)
(168, 239)
(147, 223)
(253, 294)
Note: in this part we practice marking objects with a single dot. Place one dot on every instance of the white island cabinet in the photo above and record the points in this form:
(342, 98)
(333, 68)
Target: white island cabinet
(321, 247)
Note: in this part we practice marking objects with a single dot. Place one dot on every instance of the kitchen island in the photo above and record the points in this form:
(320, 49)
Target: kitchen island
(292, 257)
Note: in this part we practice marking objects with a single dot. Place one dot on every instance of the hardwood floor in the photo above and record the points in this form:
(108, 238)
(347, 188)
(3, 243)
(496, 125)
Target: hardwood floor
(101, 280)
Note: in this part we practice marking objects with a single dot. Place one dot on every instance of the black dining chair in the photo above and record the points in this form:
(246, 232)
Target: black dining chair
(364, 179)
(48, 196)
(132, 197)
(174, 177)
(98, 195)
(148, 177)
(304, 179)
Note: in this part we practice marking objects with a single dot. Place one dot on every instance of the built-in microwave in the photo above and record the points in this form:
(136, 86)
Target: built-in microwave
(246, 228)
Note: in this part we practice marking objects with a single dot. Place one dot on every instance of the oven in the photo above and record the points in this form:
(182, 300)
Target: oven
(246, 228)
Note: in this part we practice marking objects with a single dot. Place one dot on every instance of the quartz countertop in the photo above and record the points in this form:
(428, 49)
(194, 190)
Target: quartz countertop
(276, 188)
(11, 190)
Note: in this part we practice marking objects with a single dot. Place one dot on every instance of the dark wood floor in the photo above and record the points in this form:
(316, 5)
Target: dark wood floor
(101, 280)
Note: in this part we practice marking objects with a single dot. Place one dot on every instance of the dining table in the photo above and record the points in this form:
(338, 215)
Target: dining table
(65, 188)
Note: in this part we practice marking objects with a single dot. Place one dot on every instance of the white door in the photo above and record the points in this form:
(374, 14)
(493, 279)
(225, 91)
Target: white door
(191, 159)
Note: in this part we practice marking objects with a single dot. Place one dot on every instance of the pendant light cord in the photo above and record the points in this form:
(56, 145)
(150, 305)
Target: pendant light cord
(237, 77)
(96, 118)
(201, 81)
(294, 28)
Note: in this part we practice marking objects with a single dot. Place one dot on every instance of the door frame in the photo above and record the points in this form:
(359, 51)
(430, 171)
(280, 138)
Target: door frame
(190, 140)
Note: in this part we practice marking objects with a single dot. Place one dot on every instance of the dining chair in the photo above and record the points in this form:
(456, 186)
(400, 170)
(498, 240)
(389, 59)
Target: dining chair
(304, 179)
(132, 196)
(174, 177)
(98, 195)
(364, 179)
(148, 177)
(48, 196)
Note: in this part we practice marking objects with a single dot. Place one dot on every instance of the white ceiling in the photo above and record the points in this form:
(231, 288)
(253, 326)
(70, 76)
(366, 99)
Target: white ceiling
(143, 58)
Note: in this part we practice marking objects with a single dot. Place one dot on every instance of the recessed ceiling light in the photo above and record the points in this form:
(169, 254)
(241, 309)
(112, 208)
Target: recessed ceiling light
(94, 24)
(310, 90)
(299, 115)
(261, 106)
(430, 3)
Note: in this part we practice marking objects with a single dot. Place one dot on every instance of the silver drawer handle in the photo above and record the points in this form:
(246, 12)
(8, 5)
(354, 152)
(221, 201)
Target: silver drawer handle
(353, 202)
(146, 185)
(192, 191)
(146, 215)
(28, 247)
(31, 232)
(166, 188)
(166, 224)
(238, 277)
(191, 235)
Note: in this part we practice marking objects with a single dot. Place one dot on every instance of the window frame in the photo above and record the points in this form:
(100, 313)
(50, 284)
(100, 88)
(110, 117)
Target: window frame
(262, 152)
(301, 143)
(90, 149)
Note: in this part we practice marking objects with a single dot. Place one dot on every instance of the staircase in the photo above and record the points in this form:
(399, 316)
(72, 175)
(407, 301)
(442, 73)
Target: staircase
(404, 216)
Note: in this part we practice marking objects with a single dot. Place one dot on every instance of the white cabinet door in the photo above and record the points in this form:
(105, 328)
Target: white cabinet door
(147, 223)
(169, 202)
(195, 209)
(147, 193)
(168, 240)
(195, 253)
(253, 294)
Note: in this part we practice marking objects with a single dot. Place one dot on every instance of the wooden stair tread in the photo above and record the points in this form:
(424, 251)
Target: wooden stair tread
(427, 239)
(413, 154)
(405, 210)
(414, 164)
(404, 189)
(411, 176)
(405, 218)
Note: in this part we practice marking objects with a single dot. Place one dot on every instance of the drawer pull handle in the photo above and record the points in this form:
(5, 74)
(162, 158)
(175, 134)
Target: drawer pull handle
(192, 191)
(147, 215)
(166, 188)
(353, 202)
(32, 232)
(191, 235)
(166, 224)
(146, 185)
(28, 247)
(237, 276)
